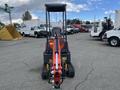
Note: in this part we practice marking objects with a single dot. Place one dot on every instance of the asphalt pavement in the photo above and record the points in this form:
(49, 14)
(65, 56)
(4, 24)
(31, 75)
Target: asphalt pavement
(97, 65)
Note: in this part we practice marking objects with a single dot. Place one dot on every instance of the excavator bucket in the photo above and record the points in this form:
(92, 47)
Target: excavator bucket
(9, 33)
(14, 33)
(5, 35)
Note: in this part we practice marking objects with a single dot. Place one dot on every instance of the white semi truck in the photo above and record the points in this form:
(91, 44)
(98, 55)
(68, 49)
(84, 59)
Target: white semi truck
(101, 27)
(113, 36)
(117, 18)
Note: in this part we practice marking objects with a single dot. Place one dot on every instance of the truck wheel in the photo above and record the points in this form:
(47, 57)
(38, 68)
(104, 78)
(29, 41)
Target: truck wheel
(114, 41)
(23, 34)
(57, 87)
(36, 35)
(71, 71)
(101, 36)
(72, 32)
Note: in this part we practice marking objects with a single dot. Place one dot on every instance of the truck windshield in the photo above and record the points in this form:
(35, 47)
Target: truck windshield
(41, 27)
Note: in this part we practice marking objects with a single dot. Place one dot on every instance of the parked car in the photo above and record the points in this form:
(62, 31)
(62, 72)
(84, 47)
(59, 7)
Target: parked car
(84, 29)
(44, 26)
(41, 31)
(112, 37)
(81, 28)
(71, 29)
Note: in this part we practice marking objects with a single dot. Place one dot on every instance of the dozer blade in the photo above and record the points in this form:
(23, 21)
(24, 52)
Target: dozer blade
(15, 34)
(5, 35)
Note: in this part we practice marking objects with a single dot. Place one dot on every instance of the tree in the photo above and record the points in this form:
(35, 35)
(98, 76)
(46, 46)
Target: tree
(1, 25)
(87, 22)
(75, 21)
(27, 16)
(68, 22)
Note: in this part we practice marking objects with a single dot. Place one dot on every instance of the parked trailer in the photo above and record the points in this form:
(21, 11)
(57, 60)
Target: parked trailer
(33, 28)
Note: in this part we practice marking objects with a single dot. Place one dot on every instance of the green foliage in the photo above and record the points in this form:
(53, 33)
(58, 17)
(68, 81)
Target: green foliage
(1, 25)
(27, 16)
(73, 21)
(87, 22)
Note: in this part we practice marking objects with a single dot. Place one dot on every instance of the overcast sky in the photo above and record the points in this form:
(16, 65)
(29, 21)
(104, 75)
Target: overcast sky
(83, 9)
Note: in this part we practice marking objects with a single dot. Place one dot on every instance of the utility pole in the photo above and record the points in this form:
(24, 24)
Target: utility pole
(94, 23)
(7, 9)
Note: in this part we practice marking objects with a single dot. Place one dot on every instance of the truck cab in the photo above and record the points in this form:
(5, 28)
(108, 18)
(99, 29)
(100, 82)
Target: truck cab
(112, 37)
(38, 31)
(96, 30)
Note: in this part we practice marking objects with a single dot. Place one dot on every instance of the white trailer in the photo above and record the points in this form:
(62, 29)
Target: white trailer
(117, 19)
(33, 28)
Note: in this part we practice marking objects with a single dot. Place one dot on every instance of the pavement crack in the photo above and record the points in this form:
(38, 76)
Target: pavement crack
(26, 64)
(86, 78)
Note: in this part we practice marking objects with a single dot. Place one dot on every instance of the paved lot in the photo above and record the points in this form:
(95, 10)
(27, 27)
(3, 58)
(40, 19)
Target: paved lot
(97, 65)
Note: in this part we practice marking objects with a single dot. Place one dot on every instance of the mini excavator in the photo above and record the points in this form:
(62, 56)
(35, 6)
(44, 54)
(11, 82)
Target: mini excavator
(57, 58)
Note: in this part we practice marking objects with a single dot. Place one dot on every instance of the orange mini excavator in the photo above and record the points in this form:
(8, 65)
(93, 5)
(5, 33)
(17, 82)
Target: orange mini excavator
(57, 58)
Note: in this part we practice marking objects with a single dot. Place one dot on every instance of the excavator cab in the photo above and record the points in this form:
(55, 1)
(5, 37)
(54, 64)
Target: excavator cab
(57, 57)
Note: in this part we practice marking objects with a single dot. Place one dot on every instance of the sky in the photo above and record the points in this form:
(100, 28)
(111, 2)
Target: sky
(82, 9)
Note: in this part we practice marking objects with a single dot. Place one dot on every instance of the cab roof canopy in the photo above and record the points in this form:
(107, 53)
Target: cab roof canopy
(55, 7)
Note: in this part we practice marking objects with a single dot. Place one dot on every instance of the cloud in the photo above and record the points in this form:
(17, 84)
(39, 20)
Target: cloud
(14, 2)
(110, 12)
(34, 16)
(20, 6)
(71, 7)
(91, 2)
(95, 0)
(16, 20)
